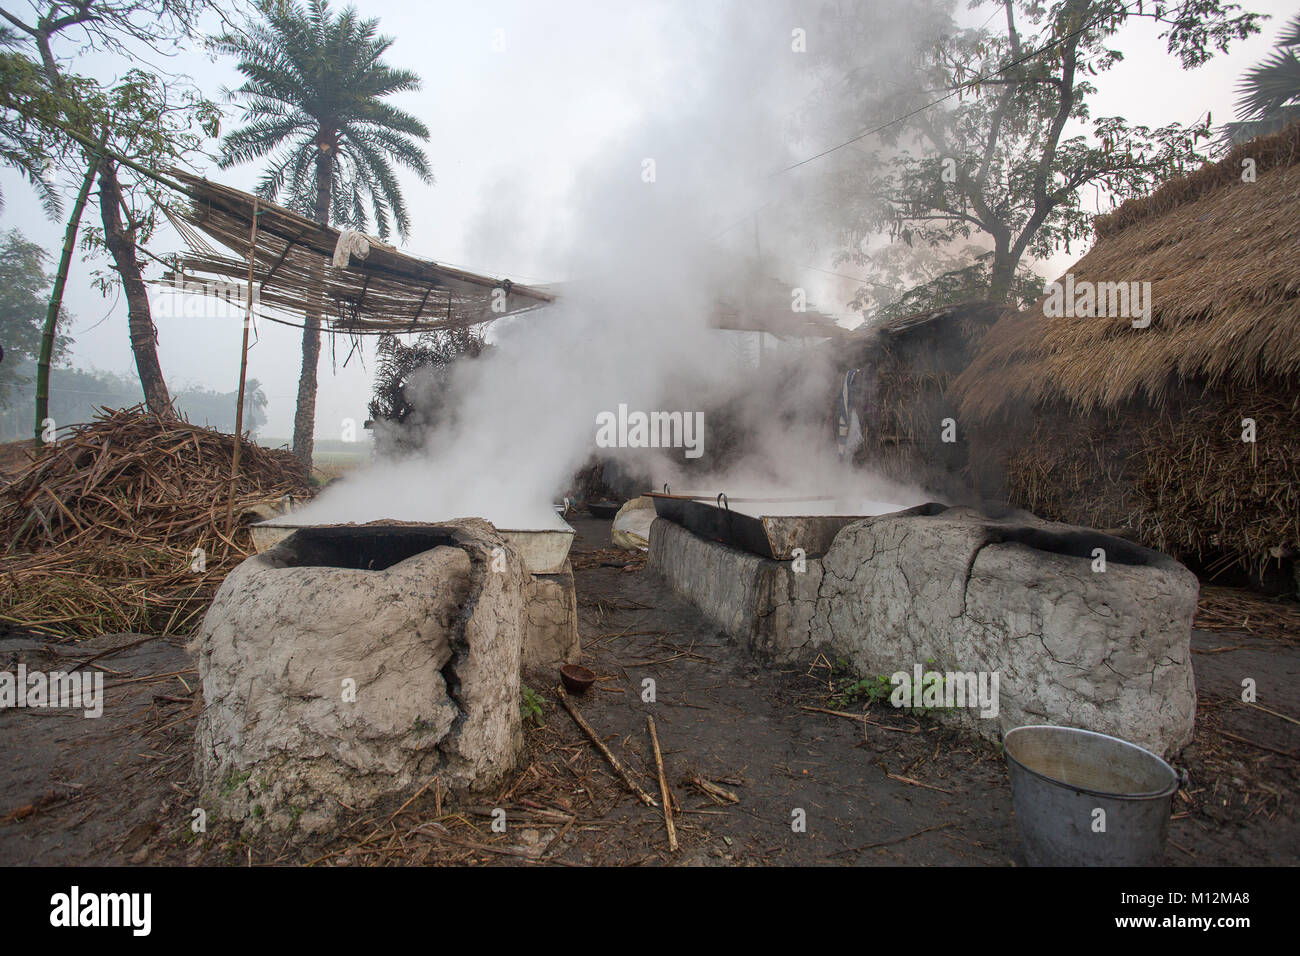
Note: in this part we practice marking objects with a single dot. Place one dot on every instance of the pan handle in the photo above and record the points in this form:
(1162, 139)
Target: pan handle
(722, 502)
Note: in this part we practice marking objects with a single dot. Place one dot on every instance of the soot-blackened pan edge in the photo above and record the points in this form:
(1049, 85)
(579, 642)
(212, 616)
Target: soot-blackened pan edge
(770, 536)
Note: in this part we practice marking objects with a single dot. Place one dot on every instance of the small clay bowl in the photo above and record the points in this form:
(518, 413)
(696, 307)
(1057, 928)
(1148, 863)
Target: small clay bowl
(577, 679)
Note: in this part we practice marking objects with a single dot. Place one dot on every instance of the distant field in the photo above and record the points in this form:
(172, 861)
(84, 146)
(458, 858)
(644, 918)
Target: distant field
(330, 458)
(361, 447)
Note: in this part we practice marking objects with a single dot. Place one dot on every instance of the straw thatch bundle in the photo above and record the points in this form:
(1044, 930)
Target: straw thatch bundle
(1089, 480)
(1094, 421)
(1208, 493)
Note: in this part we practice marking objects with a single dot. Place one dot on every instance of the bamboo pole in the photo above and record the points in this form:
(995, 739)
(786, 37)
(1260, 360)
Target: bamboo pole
(605, 752)
(56, 295)
(243, 370)
(663, 788)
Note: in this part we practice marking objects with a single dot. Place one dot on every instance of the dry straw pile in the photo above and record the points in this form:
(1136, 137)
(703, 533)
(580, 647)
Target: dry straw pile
(1179, 480)
(101, 529)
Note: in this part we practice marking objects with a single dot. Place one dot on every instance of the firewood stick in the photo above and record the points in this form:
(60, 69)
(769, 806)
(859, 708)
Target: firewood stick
(644, 797)
(1273, 750)
(663, 788)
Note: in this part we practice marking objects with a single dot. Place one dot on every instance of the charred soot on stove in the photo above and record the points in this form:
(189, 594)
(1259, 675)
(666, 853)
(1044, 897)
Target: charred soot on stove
(1078, 544)
(358, 549)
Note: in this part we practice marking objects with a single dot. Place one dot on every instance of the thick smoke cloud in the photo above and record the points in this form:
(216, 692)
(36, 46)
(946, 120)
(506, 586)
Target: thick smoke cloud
(648, 250)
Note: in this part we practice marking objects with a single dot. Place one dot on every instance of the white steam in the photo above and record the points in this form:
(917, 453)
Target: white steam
(649, 261)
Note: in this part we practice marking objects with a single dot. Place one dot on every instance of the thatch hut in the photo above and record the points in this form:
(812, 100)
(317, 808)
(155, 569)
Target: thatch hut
(893, 401)
(1184, 432)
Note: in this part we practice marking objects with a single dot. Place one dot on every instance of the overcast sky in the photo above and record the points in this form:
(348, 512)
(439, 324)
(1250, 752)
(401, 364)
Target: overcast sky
(511, 130)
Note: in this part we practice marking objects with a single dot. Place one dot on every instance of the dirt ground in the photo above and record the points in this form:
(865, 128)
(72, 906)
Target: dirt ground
(885, 790)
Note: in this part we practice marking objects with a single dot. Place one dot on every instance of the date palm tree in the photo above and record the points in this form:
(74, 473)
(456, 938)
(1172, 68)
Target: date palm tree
(1269, 93)
(314, 106)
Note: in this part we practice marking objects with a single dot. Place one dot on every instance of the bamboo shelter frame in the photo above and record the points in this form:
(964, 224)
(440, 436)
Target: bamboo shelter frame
(289, 259)
(387, 292)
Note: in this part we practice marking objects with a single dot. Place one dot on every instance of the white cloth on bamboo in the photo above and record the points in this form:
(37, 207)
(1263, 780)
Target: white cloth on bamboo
(351, 243)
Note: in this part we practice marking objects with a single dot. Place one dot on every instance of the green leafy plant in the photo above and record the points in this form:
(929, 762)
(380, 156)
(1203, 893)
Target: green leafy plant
(868, 690)
(1270, 91)
(432, 358)
(531, 706)
(849, 689)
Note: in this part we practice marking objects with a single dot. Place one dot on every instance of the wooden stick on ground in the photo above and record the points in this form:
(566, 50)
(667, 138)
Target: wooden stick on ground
(915, 783)
(644, 797)
(713, 791)
(862, 717)
(1274, 713)
(1273, 750)
(663, 788)
(872, 846)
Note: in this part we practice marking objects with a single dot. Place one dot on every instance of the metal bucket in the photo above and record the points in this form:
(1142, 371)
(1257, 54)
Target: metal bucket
(1061, 777)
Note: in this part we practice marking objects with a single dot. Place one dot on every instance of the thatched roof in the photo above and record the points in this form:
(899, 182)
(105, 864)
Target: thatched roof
(966, 320)
(387, 291)
(1223, 260)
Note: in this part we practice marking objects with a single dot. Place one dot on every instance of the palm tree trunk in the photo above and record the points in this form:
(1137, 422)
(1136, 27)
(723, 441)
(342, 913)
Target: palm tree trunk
(120, 240)
(56, 299)
(304, 419)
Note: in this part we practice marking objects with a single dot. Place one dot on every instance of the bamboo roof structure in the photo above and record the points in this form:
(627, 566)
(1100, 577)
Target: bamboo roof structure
(388, 291)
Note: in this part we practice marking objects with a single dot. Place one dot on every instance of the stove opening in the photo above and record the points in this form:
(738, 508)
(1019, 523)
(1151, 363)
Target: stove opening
(358, 549)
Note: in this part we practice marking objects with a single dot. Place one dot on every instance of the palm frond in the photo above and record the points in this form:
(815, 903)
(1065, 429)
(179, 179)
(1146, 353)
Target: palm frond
(1274, 83)
(312, 75)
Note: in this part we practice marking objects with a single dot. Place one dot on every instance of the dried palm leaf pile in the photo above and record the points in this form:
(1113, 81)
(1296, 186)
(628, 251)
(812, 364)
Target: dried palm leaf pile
(1210, 493)
(121, 524)
(1232, 609)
